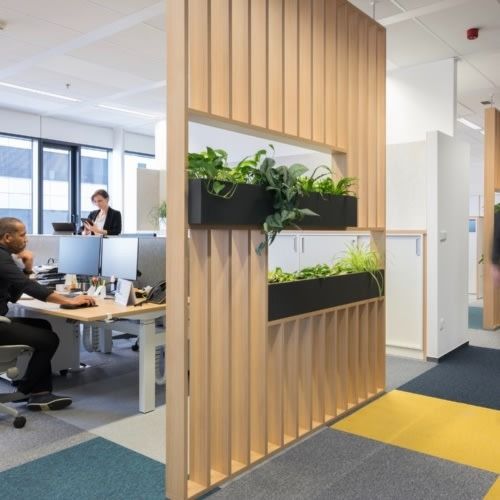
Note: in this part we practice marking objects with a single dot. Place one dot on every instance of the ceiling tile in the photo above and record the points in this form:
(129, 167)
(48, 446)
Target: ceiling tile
(451, 25)
(23, 101)
(142, 40)
(107, 55)
(79, 15)
(383, 8)
(157, 22)
(125, 6)
(488, 63)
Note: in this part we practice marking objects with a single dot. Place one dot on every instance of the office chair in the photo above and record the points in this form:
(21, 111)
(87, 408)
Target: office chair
(8, 361)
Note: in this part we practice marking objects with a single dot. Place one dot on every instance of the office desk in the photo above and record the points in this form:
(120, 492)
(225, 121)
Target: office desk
(108, 315)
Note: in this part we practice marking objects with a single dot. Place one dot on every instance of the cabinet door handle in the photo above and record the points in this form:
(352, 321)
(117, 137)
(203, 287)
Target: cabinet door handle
(295, 244)
(418, 246)
(302, 244)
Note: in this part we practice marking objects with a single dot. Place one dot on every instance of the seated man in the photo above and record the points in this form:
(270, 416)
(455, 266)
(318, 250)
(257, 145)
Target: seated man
(37, 333)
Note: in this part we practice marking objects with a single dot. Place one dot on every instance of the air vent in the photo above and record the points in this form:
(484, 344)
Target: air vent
(486, 103)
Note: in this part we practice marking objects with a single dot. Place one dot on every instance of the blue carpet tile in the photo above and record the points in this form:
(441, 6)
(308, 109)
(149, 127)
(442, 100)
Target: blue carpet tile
(476, 318)
(97, 469)
(470, 375)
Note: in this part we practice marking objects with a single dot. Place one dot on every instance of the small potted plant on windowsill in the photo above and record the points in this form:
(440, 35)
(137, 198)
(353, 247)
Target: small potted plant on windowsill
(158, 216)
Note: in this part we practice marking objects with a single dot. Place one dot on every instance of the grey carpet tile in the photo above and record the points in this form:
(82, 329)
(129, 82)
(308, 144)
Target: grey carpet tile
(333, 464)
(402, 370)
(42, 435)
(105, 401)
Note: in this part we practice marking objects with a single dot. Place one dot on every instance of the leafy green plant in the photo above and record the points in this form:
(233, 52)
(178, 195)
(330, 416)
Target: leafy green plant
(325, 184)
(357, 259)
(158, 213)
(282, 183)
(497, 207)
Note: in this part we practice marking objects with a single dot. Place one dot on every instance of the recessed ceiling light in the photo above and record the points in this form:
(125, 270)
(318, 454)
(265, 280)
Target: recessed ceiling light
(469, 124)
(130, 111)
(40, 92)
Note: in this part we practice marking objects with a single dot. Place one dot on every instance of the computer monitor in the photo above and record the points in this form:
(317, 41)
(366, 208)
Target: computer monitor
(64, 227)
(79, 255)
(119, 257)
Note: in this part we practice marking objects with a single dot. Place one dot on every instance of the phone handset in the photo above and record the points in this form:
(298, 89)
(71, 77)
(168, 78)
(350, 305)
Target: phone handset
(158, 293)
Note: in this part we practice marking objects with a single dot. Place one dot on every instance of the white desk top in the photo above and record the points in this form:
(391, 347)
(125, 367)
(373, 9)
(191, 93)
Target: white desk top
(105, 309)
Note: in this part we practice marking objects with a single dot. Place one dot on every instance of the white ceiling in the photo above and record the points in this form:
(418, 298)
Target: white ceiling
(112, 52)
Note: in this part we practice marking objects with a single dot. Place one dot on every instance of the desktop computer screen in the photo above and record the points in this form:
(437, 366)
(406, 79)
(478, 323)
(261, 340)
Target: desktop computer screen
(79, 255)
(119, 257)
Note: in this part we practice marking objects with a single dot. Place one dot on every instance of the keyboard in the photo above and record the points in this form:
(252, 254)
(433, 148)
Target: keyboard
(76, 306)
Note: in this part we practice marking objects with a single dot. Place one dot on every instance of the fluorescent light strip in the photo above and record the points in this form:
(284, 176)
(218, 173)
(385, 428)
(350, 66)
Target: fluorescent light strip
(469, 124)
(123, 110)
(40, 92)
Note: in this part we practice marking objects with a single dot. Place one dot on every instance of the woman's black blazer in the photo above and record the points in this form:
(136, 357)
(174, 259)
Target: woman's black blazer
(113, 222)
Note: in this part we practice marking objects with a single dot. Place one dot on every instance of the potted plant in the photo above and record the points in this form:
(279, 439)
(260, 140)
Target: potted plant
(158, 217)
(355, 277)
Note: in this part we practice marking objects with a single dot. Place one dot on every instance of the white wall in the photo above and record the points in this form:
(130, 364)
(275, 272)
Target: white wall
(447, 234)
(406, 186)
(419, 99)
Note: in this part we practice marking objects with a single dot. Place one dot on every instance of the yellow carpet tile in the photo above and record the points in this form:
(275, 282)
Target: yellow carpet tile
(494, 493)
(462, 433)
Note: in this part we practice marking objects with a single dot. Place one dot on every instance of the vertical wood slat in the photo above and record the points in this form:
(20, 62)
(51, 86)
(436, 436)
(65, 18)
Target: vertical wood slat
(220, 87)
(353, 356)
(199, 334)
(291, 73)
(199, 70)
(331, 365)
(305, 375)
(381, 75)
(342, 360)
(305, 69)
(331, 110)
(373, 336)
(318, 70)
(275, 65)
(176, 361)
(353, 98)
(491, 316)
(362, 122)
(240, 61)
(342, 77)
(220, 347)
(240, 348)
(291, 382)
(381, 345)
(275, 368)
(319, 368)
(364, 364)
(258, 348)
(258, 63)
(372, 126)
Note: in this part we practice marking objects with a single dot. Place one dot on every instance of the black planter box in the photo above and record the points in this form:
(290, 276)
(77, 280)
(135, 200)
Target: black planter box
(304, 296)
(335, 212)
(250, 205)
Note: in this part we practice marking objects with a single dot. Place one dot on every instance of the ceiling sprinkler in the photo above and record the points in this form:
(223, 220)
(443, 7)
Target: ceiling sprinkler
(472, 33)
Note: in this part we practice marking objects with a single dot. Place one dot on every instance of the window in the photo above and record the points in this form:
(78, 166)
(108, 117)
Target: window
(93, 176)
(16, 179)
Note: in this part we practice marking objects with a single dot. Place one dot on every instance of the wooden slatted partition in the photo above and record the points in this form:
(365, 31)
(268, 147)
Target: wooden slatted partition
(491, 295)
(309, 71)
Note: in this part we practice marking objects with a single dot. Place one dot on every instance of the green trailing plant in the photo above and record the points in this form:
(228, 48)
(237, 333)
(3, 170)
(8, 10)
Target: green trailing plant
(357, 259)
(282, 183)
(497, 207)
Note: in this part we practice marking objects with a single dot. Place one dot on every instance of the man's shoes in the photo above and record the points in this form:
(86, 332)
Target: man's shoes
(48, 401)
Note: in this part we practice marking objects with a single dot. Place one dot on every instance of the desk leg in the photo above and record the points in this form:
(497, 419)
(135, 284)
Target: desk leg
(105, 340)
(147, 349)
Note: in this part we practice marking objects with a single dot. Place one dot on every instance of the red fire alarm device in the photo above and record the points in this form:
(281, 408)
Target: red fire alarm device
(472, 33)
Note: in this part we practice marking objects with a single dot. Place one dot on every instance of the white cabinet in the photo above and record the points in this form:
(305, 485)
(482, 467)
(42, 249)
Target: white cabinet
(404, 295)
(294, 251)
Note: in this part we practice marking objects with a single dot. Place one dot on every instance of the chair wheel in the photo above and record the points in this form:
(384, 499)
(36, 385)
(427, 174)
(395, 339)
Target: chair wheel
(19, 422)
(135, 347)
(63, 373)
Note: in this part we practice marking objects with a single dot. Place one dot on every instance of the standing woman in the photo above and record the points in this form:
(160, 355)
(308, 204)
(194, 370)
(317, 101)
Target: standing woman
(105, 220)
